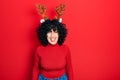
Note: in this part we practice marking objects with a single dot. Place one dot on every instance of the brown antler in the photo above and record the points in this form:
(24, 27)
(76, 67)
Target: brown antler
(41, 10)
(59, 10)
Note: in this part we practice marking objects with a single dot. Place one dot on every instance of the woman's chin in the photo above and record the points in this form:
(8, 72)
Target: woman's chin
(53, 43)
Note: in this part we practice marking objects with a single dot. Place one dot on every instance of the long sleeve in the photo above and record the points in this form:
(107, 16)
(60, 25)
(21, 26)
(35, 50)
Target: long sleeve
(35, 71)
(69, 69)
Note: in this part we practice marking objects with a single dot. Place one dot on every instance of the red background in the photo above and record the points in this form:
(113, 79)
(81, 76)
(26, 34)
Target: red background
(94, 37)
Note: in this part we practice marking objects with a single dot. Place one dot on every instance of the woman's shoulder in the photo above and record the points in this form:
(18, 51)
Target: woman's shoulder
(39, 50)
(66, 46)
(40, 47)
(67, 50)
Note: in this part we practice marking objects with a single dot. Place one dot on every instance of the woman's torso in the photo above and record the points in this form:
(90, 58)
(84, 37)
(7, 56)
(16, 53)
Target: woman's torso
(52, 60)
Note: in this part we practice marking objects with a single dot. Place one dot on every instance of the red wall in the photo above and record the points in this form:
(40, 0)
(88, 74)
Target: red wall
(94, 37)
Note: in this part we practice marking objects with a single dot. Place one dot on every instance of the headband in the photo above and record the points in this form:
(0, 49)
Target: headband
(42, 9)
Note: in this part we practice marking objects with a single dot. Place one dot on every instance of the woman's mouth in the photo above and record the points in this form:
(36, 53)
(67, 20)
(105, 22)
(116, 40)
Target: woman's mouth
(52, 39)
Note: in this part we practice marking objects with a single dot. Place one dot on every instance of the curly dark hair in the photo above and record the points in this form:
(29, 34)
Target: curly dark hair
(46, 26)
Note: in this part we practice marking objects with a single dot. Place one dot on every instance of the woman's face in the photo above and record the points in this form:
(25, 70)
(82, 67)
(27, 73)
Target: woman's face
(52, 37)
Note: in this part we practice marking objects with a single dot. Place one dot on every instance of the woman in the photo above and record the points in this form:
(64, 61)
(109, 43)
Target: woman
(53, 58)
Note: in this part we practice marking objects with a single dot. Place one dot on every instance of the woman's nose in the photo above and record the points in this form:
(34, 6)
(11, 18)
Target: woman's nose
(52, 33)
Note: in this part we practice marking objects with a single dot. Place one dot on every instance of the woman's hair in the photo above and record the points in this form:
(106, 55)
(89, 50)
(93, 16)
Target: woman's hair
(46, 26)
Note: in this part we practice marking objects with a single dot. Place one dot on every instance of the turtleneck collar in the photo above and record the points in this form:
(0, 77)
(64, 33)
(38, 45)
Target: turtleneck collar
(50, 45)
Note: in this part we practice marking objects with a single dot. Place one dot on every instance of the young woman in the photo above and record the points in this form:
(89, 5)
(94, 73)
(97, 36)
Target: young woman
(53, 58)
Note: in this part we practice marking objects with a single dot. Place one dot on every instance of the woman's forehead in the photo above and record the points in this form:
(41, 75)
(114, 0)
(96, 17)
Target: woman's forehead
(53, 29)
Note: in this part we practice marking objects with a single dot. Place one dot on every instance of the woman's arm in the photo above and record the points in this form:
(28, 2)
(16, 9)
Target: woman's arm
(35, 71)
(69, 69)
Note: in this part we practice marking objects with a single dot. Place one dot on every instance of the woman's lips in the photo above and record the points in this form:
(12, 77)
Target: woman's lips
(52, 39)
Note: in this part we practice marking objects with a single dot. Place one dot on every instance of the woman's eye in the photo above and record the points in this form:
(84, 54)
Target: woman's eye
(56, 31)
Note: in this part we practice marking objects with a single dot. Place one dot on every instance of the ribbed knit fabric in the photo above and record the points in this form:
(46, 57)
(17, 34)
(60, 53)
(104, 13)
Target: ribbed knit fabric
(52, 61)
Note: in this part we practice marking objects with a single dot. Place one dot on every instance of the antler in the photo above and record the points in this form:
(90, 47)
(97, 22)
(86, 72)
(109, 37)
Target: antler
(59, 10)
(41, 10)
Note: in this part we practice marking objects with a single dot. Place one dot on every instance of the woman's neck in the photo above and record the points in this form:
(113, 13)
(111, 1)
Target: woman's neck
(53, 45)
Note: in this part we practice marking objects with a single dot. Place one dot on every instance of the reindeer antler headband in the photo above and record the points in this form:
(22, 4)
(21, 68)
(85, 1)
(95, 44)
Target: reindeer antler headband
(42, 9)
